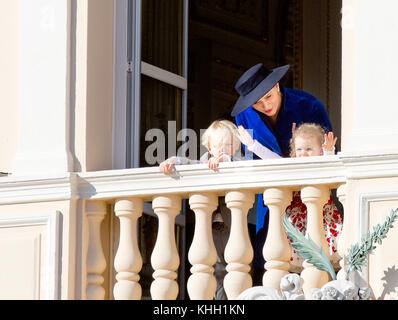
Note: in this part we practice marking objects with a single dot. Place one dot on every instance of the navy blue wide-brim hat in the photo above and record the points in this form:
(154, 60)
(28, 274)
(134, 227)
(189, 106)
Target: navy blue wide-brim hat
(254, 84)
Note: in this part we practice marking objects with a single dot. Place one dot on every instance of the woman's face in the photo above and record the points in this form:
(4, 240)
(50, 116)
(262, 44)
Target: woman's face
(270, 103)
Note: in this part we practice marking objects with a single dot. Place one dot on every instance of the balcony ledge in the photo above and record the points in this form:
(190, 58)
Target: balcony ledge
(146, 182)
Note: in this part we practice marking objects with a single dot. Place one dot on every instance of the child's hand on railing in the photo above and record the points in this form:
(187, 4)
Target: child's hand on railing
(167, 165)
(213, 163)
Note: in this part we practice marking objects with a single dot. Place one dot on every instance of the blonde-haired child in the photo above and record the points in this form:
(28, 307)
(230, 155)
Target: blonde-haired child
(222, 140)
(222, 144)
(311, 140)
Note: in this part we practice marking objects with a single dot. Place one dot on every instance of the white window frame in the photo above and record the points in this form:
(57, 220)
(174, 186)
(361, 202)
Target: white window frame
(127, 94)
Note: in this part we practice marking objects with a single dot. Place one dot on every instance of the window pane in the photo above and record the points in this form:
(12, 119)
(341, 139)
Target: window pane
(160, 103)
(162, 26)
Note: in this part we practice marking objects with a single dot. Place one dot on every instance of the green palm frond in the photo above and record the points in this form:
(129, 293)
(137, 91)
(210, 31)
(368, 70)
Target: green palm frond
(308, 249)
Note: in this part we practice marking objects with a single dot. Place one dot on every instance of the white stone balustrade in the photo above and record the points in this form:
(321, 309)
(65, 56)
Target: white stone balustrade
(277, 250)
(202, 254)
(128, 189)
(128, 261)
(96, 263)
(238, 251)
(315, 197)
(165, 259)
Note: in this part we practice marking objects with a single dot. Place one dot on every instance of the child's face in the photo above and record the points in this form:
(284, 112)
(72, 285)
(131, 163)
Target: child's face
(222, 145)
(307, 147)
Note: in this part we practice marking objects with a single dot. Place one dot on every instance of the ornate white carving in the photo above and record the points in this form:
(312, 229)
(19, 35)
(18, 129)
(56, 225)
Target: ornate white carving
(394, 295)
(340, 290)
(290, 289)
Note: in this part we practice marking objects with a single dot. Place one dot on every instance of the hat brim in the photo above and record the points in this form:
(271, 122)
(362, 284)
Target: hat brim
(262, 88)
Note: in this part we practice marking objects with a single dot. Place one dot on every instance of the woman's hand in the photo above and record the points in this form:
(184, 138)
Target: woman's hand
(330, 141)
(167, 165)
(245, 137)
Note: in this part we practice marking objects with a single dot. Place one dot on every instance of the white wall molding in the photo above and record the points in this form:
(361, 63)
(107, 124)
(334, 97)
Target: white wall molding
(38, 188)
(367, 165)
(51, 219)
(363, 200)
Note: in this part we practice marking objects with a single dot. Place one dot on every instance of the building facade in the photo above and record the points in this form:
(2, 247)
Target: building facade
(82, 84)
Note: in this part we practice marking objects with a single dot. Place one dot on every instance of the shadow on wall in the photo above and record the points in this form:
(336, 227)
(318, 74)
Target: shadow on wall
(391, 281)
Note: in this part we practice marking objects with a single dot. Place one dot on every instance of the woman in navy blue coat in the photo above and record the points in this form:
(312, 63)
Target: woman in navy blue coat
(270, 110)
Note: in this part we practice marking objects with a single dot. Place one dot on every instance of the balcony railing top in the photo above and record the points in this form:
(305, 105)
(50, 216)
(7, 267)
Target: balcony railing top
(146, 182)
(254, 175)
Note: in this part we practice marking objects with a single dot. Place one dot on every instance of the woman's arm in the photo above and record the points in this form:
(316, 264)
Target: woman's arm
(255, 146)
(262, 151)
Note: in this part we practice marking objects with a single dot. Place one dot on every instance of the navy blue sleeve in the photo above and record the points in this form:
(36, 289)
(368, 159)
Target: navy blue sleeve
(320, 116)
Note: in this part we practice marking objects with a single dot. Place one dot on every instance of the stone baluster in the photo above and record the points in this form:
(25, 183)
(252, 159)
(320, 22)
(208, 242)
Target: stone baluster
(238, 251)
(128, 261)
(341, 194)
(164, 258)
(277, 250)
(202, 254)
(96, 263)
(315, 197)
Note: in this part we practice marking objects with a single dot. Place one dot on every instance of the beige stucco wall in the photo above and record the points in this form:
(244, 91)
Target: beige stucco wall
(91, 64)
(384, 262)
(369, 67)
(8, 83)
(94, 85)
(347, 74)
(25, 247)
(29, 249)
